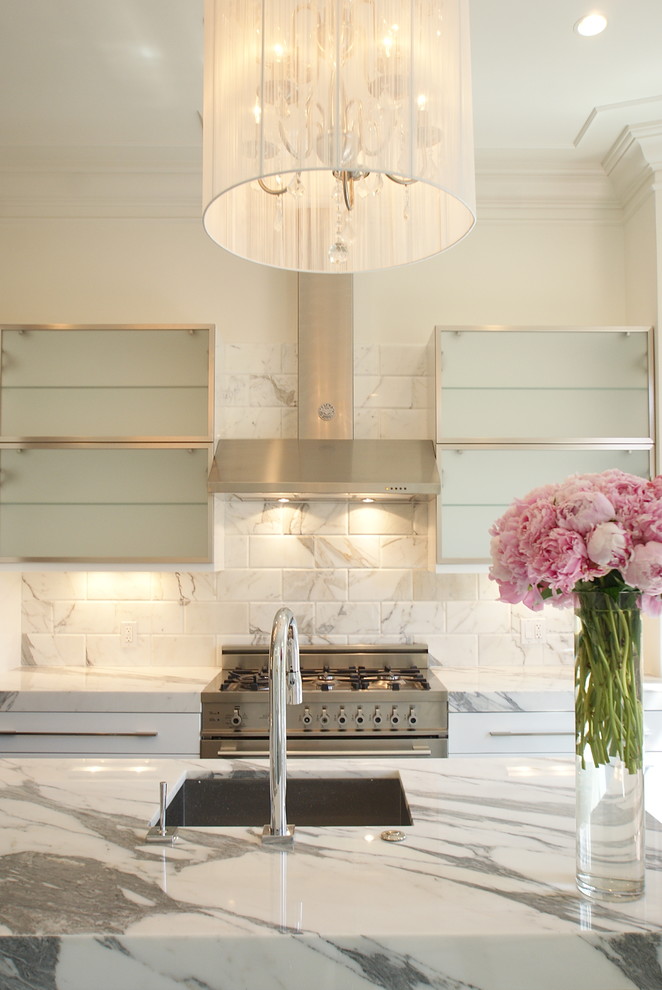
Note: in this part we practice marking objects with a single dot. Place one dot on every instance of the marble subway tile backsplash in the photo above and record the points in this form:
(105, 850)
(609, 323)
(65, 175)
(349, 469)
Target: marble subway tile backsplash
(350, 573)
(257, 391)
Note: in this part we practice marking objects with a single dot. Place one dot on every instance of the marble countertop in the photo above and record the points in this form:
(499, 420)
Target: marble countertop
(479, 896)
(164, 689)
(92, 689)
(513, 689)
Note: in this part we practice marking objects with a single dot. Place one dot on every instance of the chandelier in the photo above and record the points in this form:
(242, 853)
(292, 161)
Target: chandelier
(337, 134)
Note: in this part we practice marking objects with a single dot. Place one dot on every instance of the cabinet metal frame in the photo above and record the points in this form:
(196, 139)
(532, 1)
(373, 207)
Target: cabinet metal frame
(140, 439)
(532, 443)
(134, 442)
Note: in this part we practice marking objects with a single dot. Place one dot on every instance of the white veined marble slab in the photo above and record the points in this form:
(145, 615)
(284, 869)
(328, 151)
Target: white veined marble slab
(89, 689)
(479, 896)
(526, 689)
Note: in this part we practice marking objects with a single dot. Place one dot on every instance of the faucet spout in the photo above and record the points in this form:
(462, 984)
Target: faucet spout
(284, 688)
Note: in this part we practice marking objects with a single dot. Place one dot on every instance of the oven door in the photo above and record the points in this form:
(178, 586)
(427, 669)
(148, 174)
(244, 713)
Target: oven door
(215, 746)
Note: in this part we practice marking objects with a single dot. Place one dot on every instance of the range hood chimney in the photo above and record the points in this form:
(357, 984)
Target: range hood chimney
(326, 462)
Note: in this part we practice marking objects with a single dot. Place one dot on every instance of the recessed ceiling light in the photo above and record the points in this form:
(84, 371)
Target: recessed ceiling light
(590, 25)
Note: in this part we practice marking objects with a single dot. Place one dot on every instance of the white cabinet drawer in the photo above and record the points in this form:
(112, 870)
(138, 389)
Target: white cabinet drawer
(502, 733)
(527, 733)
(100, 733)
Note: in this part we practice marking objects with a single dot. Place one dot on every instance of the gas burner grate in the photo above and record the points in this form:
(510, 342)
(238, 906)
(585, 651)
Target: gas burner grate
(246, 680)
(394, 679)
(327, 678)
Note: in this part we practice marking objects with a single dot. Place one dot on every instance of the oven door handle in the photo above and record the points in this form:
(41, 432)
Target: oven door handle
(294, 753)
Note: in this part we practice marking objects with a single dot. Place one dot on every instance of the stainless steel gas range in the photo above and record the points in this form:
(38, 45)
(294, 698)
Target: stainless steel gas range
(357, 701)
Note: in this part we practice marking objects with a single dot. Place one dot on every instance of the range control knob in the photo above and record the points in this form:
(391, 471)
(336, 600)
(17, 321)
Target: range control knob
(395, 718)
(359, 718)
(236, 716)
(377, 717)
(342, 717)
(324, 717)
(412, 717)
(307, 717)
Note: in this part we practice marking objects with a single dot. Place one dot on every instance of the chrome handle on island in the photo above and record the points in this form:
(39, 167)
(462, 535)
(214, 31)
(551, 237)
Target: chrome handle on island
(162, 833)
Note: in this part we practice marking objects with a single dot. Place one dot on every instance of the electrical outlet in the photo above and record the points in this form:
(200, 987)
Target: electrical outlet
(128, 633)
(533, 631)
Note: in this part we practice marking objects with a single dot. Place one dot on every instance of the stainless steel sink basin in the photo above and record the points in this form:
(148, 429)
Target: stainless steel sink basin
(243, 799)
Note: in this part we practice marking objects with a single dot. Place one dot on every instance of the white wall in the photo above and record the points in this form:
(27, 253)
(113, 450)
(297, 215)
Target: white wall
(138, 271)
(641, 263)
(536, 273)
(642, 277)
(134, 270)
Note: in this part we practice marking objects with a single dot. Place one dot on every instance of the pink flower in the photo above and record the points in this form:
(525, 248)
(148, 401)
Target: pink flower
(651, 604)
(560, 560)
(508, 566)
(535, 520)
(547, 492)
(644, 569)
(609, 546)
(655, 485)
(533, 599)
(509, 592)
(584, 510)
(581, 529)
(629, 495)
(650, 522)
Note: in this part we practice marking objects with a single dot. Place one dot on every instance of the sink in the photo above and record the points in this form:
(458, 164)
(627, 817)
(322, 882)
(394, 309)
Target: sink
(242, 798)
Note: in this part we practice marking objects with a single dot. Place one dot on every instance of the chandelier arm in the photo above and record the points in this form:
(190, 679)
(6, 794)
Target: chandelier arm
(377, 148)
(284, 139)
(400, 182)
(348, 190)
(272, 192)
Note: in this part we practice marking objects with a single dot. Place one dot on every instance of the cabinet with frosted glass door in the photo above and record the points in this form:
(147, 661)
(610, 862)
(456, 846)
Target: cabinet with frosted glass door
(105, 443)
(518, 407)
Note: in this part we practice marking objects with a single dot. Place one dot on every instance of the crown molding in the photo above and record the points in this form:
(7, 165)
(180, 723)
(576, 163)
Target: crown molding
(634, 163)
(544, 185)
(151, 182)
(100, 182)
(601, 129)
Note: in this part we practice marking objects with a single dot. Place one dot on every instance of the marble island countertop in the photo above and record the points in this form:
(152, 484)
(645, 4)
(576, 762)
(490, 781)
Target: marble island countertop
(479, 896)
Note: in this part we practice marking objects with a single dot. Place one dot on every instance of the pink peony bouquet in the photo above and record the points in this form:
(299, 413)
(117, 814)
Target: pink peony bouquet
(589, 531)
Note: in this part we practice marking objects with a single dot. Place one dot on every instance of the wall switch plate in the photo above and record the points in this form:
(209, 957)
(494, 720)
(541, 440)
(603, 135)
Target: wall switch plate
(128, 633)
(533, 631)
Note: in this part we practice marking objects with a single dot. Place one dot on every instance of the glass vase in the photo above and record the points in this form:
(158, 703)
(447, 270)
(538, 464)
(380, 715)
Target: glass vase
(609, 745)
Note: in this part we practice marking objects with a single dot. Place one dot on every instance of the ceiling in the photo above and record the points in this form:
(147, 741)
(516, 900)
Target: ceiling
(107, 74)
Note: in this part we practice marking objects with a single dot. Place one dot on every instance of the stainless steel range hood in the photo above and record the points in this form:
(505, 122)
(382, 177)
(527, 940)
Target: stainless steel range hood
(326, 462)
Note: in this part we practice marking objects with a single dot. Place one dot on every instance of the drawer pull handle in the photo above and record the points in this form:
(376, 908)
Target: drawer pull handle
(55, 732)
(531, 733)
(323, 751)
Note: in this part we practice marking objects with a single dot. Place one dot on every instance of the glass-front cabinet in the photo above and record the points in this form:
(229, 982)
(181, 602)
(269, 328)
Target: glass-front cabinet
(105, 443)
(518, 407)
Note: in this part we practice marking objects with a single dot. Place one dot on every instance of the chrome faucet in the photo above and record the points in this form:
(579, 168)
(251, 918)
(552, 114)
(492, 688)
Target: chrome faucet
(284, 688)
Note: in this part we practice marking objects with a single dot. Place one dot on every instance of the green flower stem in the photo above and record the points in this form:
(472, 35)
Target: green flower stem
(608, 709)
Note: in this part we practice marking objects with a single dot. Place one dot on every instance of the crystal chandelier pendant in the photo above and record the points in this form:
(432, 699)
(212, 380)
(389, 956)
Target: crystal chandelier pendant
(363, 109)
(338, 252)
